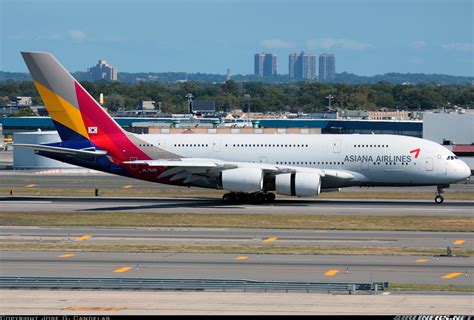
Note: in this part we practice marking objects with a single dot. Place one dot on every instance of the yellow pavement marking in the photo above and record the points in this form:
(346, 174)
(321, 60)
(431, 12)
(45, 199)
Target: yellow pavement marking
(331, 272)
(83, 238)
(241, 258)
(127, 187)
(123, 269)
(271, 239)
(93, 309)
(458, 242)
(31, 185)
(451, 275)
(422, 260)
(67, 255)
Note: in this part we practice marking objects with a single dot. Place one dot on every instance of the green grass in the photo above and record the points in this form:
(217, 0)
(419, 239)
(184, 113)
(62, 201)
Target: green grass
(229, 249)
(428, 287)
(264, 221)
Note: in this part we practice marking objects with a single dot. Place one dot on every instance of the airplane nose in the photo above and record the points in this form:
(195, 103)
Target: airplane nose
(466, 171)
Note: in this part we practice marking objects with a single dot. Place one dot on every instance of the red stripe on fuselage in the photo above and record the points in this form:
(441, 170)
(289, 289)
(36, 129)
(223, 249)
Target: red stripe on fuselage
(109, 136)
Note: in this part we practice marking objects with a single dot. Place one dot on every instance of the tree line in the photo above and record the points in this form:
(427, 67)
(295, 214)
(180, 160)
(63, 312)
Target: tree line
(263, 97)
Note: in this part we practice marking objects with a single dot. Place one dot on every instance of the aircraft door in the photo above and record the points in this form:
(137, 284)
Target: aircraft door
(161, 145)
(429, 164)
(263, 160)
(336, 146)
(364, 165)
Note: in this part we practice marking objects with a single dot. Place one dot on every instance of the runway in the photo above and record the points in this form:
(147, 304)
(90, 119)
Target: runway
(216, 206)
(74, 180)
(313, 268)
(234, 236)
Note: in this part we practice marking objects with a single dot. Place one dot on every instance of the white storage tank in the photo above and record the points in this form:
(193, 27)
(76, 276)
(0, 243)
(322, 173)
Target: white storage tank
(25, 158)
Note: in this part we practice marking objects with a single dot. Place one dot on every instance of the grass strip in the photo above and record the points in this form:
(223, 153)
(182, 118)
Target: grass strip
(263, 221)
(229, 249)
(428, 287)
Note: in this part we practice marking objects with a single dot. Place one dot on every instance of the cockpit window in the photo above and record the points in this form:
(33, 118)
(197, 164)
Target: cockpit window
(452, 157)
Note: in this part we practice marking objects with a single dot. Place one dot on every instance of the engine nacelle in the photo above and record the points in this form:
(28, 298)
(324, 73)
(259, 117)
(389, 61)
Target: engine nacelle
(243, 180)
(301, 184)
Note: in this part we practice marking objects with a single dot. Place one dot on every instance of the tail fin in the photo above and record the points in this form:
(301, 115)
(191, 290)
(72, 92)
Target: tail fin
(76, 115)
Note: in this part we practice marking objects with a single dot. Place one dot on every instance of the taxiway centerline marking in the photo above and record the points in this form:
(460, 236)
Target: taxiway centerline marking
(123, 269)
(83, 238)
(241, 258)
(93, 309)
(331, 272)
(451, 275)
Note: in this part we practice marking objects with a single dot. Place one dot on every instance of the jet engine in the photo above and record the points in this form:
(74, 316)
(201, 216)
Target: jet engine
(299, 184)
(242, 180)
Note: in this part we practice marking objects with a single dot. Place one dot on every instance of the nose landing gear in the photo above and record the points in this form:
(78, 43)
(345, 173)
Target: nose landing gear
(439, 195)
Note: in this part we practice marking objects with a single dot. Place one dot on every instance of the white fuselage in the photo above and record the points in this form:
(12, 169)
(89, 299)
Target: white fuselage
(372, 159)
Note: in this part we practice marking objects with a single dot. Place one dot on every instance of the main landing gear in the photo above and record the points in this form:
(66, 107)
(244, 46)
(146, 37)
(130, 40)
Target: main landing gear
(257, 197)
(439, 195)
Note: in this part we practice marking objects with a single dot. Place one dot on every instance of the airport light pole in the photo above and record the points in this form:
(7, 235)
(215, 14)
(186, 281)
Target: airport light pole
(190, 97)
(247, 97)
(330, 97)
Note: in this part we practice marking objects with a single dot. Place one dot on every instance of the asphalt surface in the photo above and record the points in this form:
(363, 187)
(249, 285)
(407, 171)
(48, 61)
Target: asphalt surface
(229, 236)
(458, 270)
(73, 178)
(216, 206)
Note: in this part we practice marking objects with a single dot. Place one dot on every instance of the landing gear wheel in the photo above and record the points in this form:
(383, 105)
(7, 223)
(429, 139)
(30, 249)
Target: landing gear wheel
(439, 194)
(229, 197)
(270, 197)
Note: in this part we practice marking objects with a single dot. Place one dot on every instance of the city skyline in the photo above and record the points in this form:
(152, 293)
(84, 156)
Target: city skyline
(369, 37)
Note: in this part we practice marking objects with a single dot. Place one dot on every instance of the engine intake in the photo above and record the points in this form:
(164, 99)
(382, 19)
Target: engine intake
(301, 184)
(242, 180)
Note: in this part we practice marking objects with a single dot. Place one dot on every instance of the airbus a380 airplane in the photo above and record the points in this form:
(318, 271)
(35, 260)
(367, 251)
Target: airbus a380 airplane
(247, 165)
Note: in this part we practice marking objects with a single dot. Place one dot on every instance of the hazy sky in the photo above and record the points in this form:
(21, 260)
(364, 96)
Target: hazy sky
(368, 36)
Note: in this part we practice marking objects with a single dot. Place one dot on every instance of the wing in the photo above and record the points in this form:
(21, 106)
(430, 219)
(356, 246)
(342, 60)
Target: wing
(193, 169)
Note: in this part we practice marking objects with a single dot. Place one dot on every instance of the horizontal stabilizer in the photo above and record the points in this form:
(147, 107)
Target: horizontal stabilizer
(80, 153)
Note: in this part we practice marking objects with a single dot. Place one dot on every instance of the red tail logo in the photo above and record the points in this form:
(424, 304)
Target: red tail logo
(416, 152)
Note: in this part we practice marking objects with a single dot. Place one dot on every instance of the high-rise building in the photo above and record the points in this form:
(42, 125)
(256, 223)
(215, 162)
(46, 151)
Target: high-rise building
(103, 71)
(327, 67)
(265, 64)
(302, 66)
